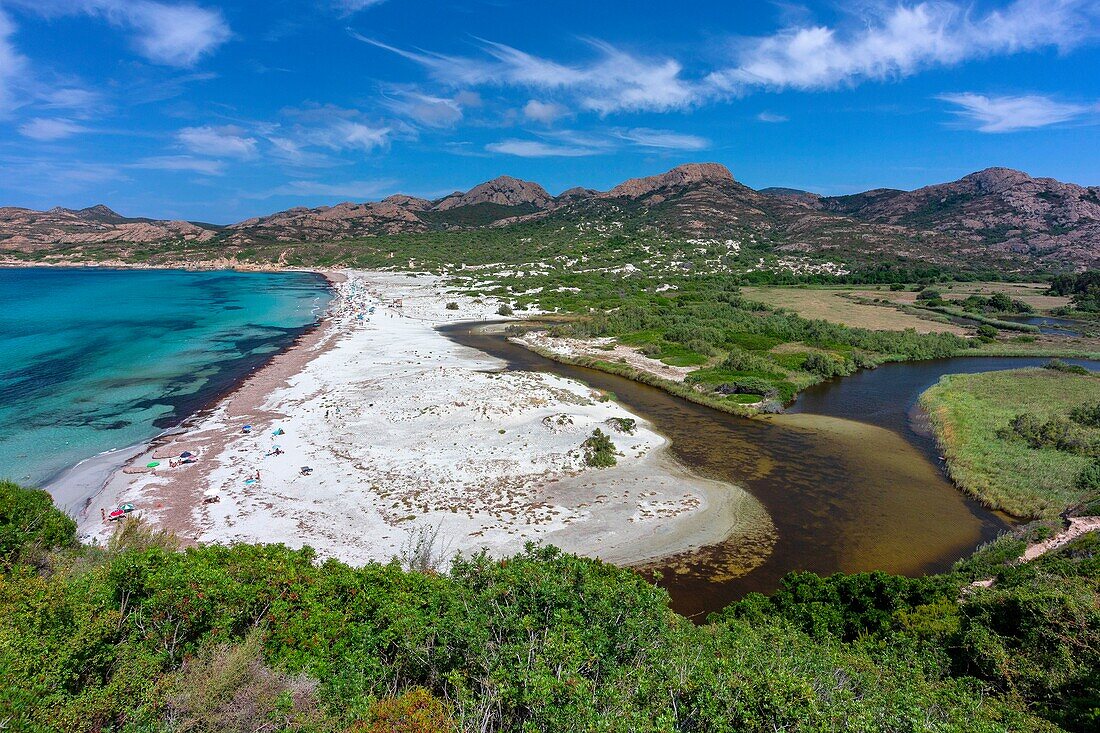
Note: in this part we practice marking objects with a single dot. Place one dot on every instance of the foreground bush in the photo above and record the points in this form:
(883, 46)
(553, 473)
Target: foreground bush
(140, 638)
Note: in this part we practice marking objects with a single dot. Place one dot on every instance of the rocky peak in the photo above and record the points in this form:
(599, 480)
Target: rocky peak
(408, 202)
(504, 190)
(992, 180)
(679, 177)
(99, 211)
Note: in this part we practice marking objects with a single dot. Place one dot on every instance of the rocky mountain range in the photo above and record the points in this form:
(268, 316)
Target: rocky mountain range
(993, 216)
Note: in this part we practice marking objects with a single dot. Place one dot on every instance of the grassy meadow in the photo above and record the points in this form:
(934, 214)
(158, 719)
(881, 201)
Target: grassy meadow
(970, 414)
(836, 305)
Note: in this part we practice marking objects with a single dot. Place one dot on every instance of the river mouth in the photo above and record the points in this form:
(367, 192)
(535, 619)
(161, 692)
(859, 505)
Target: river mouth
(848, 483)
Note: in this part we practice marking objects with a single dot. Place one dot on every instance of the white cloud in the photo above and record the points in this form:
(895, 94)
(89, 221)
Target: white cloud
(72, 98)
(770, 117)
(348, 135)
(888, 40)
(645, 137)
(48, 130)
(903, 39)
(229, 141)
(426, 109)
(348, 7)
(174, 34)
(12, 65)
(183, 163)
(539, 149)
(545, 113)
(346, 189)
(1008, 114)
(615, 81)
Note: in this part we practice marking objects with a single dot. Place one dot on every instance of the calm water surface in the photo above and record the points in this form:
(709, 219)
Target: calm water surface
(97, 359)
(848, 482)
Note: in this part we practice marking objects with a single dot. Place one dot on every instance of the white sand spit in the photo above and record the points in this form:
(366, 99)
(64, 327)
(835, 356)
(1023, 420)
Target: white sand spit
(406, 431)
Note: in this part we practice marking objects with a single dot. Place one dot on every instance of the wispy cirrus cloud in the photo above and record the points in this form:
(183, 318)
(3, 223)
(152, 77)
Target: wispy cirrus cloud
(46, 129)
(13, 65)
(345, 134)
(350, 7)
(172, 34)
(425, 109)
(1009, 113)
(771, 117)
(217, 141)
(576, 144)
(540, 149)
(181, 163)
(546, 113)
(645, 137)
(345, 189)
(612, 82)
(886, 41)
(901, 40)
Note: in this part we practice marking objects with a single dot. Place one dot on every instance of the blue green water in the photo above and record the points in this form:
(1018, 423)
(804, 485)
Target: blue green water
(93, 360)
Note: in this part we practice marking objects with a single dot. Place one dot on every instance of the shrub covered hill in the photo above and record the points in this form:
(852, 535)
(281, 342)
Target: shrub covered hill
(997, 220)
(139, 636)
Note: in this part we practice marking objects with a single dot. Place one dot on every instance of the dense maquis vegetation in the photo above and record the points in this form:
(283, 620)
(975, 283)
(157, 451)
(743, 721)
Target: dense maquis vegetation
(1083, 288)
(138, 636)
(742, 347)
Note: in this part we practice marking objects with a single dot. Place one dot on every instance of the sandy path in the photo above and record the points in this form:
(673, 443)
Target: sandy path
(409, 433)
(1077, 527)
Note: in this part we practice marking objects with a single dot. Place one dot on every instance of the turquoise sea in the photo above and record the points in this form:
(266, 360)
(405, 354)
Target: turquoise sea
(93, 360)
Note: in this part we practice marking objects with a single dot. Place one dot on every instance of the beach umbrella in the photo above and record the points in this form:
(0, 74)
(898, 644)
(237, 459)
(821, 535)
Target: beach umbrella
(152, 464)
(186, 454)
(127, 507)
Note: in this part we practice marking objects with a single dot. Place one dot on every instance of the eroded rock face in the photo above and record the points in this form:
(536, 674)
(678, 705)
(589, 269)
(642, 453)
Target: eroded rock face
(504, 190)
(1000, 208)
(1023, 222)
(30, 229)
(679, 177)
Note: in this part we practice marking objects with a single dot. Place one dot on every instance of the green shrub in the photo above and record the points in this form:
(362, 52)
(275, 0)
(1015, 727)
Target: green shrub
(452, 306)
(739, 360)
(504, 310)
(1088, 480)
(929, 294)
(229, 688)
(827, 365)
(599, 450)
(987, 331)
(1088, 414)
(1060, 366)
(30, 523)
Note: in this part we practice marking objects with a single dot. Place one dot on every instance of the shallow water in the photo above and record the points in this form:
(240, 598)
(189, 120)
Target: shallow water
(848, 482)
(1050, 326)
(98, 359)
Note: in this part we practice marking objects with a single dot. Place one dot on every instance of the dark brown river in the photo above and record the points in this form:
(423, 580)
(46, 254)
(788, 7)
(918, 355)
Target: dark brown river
(850, 480)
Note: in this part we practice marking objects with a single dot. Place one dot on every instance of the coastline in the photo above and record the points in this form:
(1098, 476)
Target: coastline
(75, 487)
(190, 429)
(373, 493)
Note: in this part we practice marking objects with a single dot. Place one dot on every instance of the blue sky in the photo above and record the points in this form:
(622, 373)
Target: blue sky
(216, 110)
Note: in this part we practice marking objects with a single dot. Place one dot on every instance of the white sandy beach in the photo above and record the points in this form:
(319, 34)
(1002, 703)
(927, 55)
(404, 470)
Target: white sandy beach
(408, 432)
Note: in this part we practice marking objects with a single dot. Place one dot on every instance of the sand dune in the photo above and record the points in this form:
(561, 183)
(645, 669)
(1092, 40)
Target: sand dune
(408, 433)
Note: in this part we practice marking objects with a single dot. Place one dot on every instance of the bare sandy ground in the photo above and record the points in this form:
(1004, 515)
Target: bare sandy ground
(605, 349)
(409, 434)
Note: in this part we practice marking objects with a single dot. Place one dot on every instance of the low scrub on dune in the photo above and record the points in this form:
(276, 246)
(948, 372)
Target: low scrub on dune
(142, 638)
